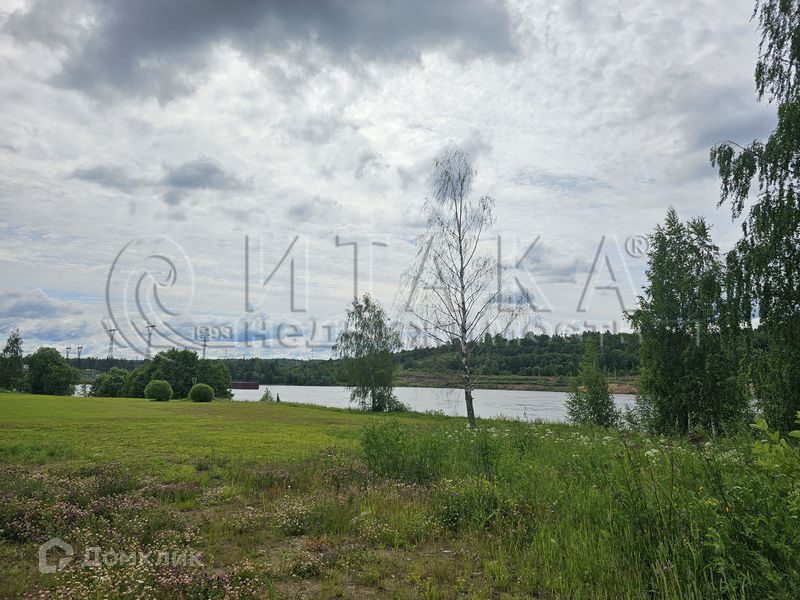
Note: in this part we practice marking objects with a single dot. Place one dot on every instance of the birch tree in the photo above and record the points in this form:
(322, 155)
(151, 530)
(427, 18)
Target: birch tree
(366, 347)
(762, 182)
(454, 291)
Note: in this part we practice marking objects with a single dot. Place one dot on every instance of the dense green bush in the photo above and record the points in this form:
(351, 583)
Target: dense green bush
(201, 392)
(111, 384)
(158, 390)
(137, 381)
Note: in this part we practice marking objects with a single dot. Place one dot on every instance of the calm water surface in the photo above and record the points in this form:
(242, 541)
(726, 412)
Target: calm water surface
(515, 404)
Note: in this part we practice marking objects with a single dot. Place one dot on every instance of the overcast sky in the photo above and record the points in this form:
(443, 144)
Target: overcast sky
(141, 144)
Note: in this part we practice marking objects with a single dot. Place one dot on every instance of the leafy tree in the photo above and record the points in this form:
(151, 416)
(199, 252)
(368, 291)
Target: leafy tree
(49, 373)
(215, 374)
(138, 380)
(590, 400)
(765, 264)
(178, 367)
(687, 378)
(366, 345)
(111, 384)
(11, 374)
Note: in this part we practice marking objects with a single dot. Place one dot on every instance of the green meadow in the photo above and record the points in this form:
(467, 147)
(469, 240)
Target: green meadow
(283, 501)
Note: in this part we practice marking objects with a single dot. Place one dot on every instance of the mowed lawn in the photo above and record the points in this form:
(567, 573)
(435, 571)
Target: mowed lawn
(157, 435)
(135, 474)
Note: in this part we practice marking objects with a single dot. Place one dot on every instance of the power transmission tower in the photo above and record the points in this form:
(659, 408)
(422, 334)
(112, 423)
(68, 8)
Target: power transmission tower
(205, 341)
(111, 333)
(150, 327)
(79, 356)
(68, 348)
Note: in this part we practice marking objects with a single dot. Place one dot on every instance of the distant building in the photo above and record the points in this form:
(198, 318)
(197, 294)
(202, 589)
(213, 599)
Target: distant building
(244, 385)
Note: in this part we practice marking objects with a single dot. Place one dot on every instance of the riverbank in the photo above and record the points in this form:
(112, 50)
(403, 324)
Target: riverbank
(617, 385)
(277, 500)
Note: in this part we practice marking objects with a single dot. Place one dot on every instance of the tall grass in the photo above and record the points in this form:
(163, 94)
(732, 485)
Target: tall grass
(595, 512)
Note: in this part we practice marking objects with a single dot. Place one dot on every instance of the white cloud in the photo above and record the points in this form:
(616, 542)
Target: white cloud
(585, 119)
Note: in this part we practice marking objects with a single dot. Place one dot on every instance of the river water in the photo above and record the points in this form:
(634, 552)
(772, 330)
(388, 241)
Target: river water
(514, 404)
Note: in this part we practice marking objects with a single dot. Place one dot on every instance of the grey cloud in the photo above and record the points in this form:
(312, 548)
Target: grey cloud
(34, 304)
(407, 178)
(714, 114)
(300, 212)
(157, 48)
(59, 330)
(562, 182)
(705, 114)
(369, 162)
(201, 174)
(108, 176)
(318, 130)
(178, 181)
(52, 22)
(173, 197)
(418, 173)
(550, 264)
(475, 144)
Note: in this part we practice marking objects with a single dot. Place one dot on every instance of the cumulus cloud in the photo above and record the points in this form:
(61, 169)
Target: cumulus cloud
(42, 319)
(178, 181)
(553, 264)
(321, 120)
(109, 176)
(161, 49)
(201, 174)
(34, 304)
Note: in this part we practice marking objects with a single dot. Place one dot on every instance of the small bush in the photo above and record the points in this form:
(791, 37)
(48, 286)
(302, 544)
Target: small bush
(158, 390)
(267, 396)
(201, 392)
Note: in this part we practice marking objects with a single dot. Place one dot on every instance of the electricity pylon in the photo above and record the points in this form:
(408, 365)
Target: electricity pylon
(111, 333)
(150, 327)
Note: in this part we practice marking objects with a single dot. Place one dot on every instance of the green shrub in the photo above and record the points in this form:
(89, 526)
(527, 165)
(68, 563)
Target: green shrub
(111, 384)
(267, 396)
(201, 392)
(158, 390)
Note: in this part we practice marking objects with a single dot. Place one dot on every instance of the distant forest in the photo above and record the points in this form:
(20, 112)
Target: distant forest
(539, 355)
